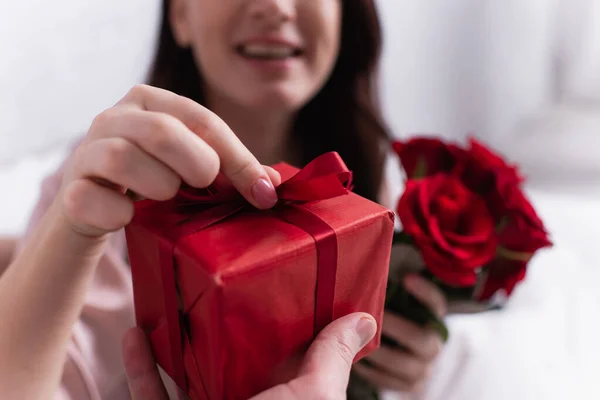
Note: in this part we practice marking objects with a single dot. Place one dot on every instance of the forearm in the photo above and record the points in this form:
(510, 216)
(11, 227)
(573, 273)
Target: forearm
(41, 296)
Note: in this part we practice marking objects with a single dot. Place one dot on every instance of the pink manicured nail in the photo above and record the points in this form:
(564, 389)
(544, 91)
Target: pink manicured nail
(264, 193)
(366, 329)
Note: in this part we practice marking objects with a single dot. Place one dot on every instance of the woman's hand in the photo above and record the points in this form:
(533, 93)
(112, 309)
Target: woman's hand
(406, 369)
(324, 373)
(147, 144)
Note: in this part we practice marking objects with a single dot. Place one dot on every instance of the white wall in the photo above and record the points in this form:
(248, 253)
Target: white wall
(63, 61)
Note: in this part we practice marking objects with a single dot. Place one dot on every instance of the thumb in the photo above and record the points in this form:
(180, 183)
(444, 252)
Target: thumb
(331, 354)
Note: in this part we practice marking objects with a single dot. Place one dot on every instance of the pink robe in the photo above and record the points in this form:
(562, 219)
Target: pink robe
(94, 368)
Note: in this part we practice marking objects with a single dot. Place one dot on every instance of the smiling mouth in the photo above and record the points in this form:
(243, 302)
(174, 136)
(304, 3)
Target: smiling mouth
(268, 52)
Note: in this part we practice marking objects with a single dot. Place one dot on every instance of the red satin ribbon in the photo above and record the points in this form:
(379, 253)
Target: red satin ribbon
(325, 177)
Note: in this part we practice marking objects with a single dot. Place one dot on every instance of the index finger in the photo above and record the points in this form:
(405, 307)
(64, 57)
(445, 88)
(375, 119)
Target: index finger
(237, 163)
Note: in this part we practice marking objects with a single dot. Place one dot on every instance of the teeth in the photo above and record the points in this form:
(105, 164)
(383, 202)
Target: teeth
(267, 51)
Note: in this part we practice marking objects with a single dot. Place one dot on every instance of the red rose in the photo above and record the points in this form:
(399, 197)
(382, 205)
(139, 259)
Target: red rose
(480, 169)
(422, 157)
(523, 230)
(488, 174)
(490, 161)
(450, 225)
(521, 234)
(503, 274)
(500, 184)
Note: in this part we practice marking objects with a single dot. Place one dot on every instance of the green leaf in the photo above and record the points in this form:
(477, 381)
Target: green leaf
(420, 169)
(513, 255)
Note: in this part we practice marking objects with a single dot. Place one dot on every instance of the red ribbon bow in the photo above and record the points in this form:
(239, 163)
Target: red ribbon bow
(323, 178)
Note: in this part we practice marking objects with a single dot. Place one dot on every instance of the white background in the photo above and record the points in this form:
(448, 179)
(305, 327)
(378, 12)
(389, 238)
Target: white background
(64, 61)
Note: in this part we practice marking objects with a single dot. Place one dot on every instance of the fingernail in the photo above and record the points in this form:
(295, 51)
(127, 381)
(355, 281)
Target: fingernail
(264, 193)
(366, 329)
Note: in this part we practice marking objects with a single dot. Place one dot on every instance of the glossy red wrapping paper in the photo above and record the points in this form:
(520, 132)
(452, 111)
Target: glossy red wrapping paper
(247, 286)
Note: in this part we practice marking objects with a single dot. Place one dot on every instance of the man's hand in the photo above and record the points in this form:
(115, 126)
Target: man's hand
(324, 373)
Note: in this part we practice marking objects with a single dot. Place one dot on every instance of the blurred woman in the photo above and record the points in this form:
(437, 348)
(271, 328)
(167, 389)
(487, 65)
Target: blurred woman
(235, 86)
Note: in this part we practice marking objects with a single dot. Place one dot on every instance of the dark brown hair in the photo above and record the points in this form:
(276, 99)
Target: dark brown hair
(344, 116)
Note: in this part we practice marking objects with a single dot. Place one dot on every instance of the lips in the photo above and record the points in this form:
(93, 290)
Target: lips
(269, 51)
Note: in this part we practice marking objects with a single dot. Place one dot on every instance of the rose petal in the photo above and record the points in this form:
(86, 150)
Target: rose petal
(503, 275)
(434, 154)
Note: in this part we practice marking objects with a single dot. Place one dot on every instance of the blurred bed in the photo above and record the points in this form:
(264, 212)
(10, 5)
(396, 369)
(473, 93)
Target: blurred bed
(544, 345)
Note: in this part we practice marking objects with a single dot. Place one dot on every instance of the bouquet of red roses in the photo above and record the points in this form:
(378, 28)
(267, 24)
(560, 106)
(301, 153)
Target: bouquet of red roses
(466, 226)
(464, 212)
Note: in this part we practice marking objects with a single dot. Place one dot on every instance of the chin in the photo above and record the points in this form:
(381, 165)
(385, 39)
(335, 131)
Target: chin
(278, 99)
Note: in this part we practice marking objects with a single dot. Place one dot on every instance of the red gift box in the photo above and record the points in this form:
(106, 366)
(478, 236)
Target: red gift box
(230, 295)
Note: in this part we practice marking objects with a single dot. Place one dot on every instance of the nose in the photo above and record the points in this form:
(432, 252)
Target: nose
(273, 12)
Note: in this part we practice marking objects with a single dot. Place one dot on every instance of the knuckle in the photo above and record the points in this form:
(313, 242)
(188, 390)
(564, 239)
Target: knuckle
(242, 168)
(102, 120)
(115, 160)
(203, 123)
(73, 200)
(161, 134)
(139, 90)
